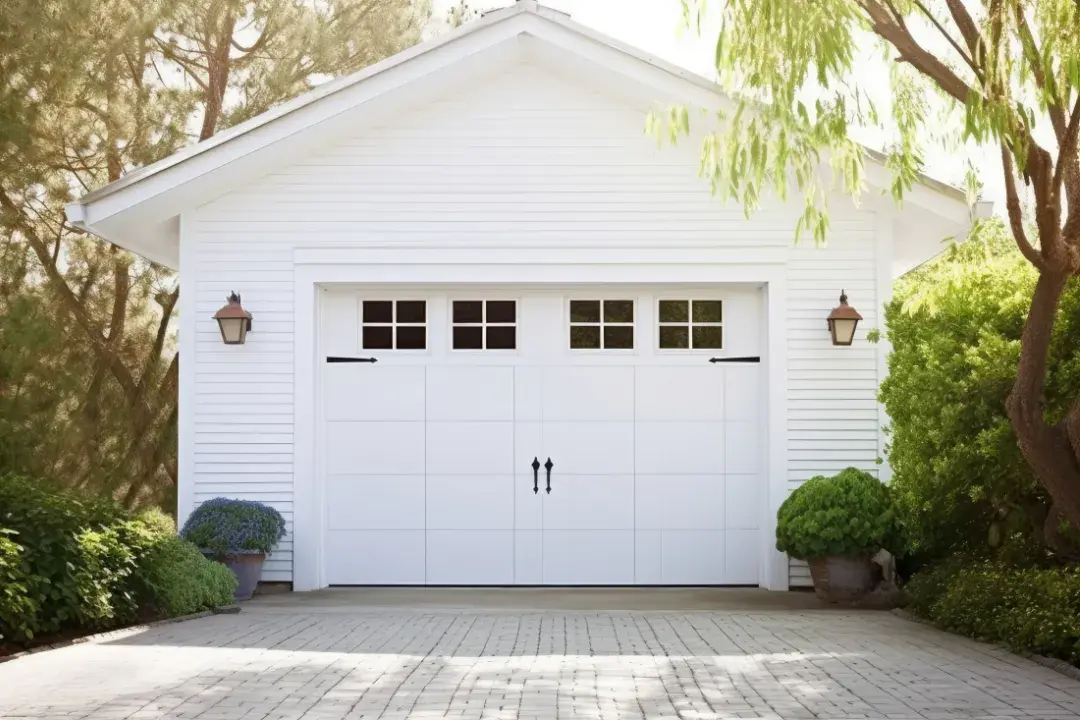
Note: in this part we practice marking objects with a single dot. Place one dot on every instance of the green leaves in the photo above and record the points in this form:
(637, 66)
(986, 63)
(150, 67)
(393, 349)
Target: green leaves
(178, 580)
(848, 514)
(1031, 610)
(955, 327)
(71, 564)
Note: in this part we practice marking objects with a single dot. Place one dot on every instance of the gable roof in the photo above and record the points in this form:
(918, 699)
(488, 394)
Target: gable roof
(140, 211)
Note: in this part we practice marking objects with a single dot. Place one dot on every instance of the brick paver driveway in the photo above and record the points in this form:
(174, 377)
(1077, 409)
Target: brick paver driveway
(294, 658)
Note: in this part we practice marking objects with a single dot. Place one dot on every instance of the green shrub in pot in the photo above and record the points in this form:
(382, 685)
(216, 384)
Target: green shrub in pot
(238, 533)
(837, 524)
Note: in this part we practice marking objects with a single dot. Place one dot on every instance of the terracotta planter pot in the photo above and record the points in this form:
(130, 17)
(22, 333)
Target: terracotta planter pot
(248, 570)
(842, 579)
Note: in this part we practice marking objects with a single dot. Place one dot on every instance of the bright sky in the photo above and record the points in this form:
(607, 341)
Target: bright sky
(656, 26)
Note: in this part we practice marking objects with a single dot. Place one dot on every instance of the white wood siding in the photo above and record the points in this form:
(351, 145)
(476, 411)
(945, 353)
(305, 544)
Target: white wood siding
(524, 159)
(833, 419)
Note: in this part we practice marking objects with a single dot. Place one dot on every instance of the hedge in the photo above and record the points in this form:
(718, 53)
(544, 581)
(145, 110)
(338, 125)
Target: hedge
(71, 565)
(1030, 609)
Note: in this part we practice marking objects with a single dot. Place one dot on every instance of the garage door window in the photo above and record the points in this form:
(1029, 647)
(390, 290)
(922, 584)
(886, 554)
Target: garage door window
(484, 324)
(602, 324)
(691, 324)
(394, 324)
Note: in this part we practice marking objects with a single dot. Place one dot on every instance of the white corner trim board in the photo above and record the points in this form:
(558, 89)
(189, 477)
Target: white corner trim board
(535, 553)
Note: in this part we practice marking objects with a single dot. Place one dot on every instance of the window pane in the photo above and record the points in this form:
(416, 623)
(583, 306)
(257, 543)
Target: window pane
(584, 336)
(411, 338)
(411, 311)
(501, 337)
(378, 311)
(585, 311)
(619, 337)
(675, 337)
(468, 338)
(468, 311)
(674, 311)
(621, 311)
(378, 338)
(711, 337)
(501, 311)
(707, 311)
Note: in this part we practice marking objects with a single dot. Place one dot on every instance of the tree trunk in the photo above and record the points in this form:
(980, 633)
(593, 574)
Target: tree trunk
(1049, 450)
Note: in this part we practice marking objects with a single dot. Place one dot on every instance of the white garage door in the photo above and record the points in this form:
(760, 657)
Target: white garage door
(549, 438)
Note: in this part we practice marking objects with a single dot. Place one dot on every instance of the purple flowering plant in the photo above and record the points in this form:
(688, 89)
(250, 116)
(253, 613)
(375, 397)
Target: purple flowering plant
(222, 527)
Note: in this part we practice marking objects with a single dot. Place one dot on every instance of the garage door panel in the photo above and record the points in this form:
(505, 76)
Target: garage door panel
(679, 448)
(679, 393)
(597, 502)
(470, 557)
(375, 557)
(528, 506)
(742, 392)
(464, 502)
(742, 553)
(528, 393)
(470, 393)
(372, 392)
(375, 448)
(588, 393)
(589, 557)
(742, 496)
(375, 502)
(582, 448)
(455, 448)
(679, 501)
(529, 557)
(742, 452)
(648, 557)
(693, 557)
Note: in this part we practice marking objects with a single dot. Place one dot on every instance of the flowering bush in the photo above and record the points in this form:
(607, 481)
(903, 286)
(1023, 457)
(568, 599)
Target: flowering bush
(223, 527)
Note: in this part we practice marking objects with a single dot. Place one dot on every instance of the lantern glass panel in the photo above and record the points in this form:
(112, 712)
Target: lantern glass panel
(844, 331)
(233, 330)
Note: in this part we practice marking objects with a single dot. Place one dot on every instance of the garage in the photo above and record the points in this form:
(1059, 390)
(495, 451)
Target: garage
(567, 436)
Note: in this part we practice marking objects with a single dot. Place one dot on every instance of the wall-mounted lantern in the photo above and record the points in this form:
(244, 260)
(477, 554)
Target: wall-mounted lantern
(234, 321)
(842, 322)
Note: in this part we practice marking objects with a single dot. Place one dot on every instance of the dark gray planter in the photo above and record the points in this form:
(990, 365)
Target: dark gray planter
(840, 579)
(248, 570)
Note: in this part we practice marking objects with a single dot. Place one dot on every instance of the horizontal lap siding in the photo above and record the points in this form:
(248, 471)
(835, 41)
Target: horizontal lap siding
(832, 391)
(523, 159)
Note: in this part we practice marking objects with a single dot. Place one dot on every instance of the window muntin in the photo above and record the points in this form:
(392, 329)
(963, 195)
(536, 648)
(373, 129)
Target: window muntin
(483, 324)
(393, 324)
(601, 324)
(690, 324)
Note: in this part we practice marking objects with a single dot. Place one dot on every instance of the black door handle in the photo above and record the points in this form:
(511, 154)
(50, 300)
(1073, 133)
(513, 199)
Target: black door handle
(536, 475)
(547, 466)
(339, 359)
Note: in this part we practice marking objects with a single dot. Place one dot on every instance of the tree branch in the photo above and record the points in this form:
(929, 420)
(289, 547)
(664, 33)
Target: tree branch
(911, 51)
(1016, 216)
(969, 29)
(945, 34)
